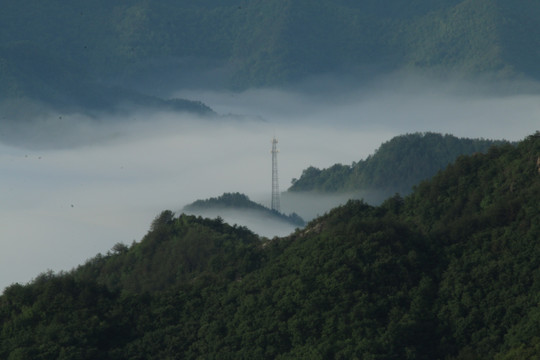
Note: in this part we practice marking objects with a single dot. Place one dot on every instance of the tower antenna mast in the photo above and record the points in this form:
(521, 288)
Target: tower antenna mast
(275, 185)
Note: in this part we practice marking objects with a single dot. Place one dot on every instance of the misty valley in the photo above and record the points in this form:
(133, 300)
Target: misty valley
(92, 182)
(353, 174)
(270, 179)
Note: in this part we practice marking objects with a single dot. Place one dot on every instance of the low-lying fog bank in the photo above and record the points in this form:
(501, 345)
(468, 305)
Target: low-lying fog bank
(73, 187)
(60, 207)
(254, 220)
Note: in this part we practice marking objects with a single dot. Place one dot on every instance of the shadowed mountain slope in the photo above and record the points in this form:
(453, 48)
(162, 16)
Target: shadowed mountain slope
(60, 53)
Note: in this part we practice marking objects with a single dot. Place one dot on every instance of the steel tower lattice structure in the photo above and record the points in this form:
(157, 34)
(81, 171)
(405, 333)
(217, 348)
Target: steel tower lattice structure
(275, 184)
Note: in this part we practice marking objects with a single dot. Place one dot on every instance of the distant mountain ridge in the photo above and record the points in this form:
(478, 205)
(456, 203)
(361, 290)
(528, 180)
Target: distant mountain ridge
(56, 50)
(241, 202)
(395, 167)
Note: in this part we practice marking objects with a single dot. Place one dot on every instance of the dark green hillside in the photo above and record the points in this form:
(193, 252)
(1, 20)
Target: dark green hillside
(199, 288)
(449, 272)
(56, 51)
(484, 210)
(42, 320)
(241, 202)
(396, 166)
(175, 251)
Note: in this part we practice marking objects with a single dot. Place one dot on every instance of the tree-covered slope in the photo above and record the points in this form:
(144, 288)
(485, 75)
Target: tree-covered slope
(396, 166)
(449, 272)
(56, 51)
(484, 211)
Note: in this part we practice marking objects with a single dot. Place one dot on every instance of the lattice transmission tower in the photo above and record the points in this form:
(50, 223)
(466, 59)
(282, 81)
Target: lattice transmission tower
(275, 184)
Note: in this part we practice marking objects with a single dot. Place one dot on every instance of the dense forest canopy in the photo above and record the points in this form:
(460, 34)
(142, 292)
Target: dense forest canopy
(395, 167)
(62, 52)
(450, 271)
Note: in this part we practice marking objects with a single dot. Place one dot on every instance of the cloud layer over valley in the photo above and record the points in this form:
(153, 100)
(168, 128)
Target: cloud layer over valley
(74, 186)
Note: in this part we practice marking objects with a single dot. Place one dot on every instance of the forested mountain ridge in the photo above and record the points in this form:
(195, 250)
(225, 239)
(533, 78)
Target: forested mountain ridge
(176, 250)
(448, 272)
(67, 52)
(395, 167)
